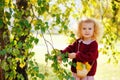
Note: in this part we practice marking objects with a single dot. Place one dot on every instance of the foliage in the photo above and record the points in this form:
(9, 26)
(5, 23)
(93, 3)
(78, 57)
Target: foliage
(22, 21)
(60, 71)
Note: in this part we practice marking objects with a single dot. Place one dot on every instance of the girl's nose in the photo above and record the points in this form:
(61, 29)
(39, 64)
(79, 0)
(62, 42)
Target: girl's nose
(87, 30)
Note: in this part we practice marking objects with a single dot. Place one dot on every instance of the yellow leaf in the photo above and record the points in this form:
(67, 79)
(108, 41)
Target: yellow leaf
(22, 65)
(34, 22)
(79, 66)
(17, 59)
(33, 1)
(88, 66)
(7, 1)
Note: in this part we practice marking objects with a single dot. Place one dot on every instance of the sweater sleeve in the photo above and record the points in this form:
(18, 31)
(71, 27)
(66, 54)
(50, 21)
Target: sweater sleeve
(70, 48)
(90, 55)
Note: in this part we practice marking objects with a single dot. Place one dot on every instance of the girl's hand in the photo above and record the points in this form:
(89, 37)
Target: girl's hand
(59, 58)
(72, 55)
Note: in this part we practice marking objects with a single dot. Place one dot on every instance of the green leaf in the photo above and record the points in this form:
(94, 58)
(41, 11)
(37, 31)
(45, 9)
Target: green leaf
(8, 15)
(36, 69)
(31, 63)
(31, 39)
(46, 24)
(1, 4)
(43, 29)
(36, 40)
(31, 54)
(26, 23)
(39, 2)
(70, 63)
(21, 22)
(2, 52)
(1, 23)
(20, 44)
(58, 19)
(72, 35)
(40, 76)
(65, 27)
(43, 9)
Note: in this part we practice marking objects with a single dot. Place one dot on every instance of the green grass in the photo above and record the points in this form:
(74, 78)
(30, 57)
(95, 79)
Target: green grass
(104, 71)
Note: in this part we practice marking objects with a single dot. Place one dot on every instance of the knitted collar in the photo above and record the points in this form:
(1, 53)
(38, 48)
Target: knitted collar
(86, 42)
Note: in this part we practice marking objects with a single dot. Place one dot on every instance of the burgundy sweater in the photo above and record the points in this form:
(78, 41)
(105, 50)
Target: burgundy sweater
(85, 52)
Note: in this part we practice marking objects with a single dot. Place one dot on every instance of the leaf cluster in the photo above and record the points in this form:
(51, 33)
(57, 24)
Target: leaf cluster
(60, 71)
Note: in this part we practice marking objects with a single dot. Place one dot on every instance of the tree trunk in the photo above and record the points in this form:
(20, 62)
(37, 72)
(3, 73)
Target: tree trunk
(4, 37)
(1, 39)
(22, 5)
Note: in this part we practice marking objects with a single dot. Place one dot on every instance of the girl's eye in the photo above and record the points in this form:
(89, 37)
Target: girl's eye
(84, 28)
(90, 28)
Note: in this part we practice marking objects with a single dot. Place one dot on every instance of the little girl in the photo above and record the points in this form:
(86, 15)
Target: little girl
(85, 48)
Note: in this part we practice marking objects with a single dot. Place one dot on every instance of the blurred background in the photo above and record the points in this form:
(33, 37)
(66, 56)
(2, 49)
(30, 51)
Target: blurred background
(30, 29)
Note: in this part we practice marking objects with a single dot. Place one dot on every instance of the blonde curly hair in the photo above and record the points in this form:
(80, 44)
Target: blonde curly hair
(98, 28)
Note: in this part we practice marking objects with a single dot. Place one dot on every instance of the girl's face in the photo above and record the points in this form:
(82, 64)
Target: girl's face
(87, 30)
